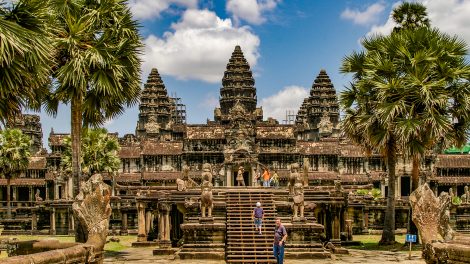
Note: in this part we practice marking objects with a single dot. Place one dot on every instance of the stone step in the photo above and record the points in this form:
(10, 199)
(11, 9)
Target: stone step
(244, 244)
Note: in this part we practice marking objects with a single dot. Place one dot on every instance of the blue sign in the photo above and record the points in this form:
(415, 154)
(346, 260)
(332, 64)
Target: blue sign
(410, 238)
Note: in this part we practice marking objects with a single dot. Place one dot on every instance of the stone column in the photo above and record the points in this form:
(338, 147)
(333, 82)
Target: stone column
(341, 165)
(366, 165)
(34, 220)
(71, 223)
(365, 215)
(336, 224)
(398, 187)
(124, 223)
(148, 221)
(66, 190)
(52, 225)
(31, 194)
(142, 235)
(253, 175)
(70, 188)
(15, 193)
(164, 225)
(47, 193)
(228, 173)
(382, 188)
(56, 191)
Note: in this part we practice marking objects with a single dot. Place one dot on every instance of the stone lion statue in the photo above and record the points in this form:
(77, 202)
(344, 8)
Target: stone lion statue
(298, 197)
(206, 173)
(294, 177)
(207, 201)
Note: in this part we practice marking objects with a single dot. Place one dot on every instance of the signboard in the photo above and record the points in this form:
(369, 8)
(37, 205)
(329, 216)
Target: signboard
(410, 238)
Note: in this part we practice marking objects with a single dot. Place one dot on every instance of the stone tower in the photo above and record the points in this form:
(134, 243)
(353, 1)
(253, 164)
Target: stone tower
(155, 108)
(30, 125)
(238, 89)
(319, 113)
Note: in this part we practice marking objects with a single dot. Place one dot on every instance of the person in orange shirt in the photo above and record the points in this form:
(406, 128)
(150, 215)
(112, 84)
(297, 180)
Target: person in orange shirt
(266, 177)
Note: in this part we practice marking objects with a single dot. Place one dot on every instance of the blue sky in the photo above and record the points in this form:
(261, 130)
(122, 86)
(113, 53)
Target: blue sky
(286, 42)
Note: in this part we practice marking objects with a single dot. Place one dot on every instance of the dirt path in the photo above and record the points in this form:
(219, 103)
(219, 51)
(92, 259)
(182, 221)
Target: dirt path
(144, 256)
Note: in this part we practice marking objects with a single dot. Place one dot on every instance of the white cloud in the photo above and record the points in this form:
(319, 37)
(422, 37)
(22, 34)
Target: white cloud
(366, 17)
(251, 11)
(148, 9)
(210, 101)
(450, 16)
(289, 98)
(199, 47)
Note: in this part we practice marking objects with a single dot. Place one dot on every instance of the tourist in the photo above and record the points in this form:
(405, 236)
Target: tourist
(266, 178)
(258, 216)
(280, 236)
(240, 179)
(275, 180)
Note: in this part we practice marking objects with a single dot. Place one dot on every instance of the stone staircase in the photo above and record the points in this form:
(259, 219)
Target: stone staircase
(243, 243)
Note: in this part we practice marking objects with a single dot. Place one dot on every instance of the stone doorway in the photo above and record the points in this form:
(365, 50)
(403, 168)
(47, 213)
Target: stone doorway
(246, 175)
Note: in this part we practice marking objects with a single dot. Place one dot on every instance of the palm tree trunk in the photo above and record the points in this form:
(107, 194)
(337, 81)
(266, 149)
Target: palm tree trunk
(76, 135)
(80, 233)
(415, 173)
(8, 197)
(414, 186)
(388, 234)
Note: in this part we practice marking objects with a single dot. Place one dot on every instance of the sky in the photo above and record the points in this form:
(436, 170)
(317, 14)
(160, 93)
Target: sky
(286, 42)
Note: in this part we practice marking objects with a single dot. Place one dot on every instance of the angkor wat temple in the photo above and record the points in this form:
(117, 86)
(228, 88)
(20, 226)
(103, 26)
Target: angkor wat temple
(165, 149)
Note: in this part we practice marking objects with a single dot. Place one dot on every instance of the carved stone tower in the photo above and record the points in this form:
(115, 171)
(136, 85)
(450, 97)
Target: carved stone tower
(30, 125)
(154, 109)
(319, 113)
(238, 88)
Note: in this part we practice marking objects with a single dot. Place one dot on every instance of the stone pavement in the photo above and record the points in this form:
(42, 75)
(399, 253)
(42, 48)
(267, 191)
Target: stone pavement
(144, 256)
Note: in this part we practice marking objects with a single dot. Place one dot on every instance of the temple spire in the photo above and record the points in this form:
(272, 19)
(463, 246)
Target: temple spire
(155, 106)
(320, 111)
(238, 85)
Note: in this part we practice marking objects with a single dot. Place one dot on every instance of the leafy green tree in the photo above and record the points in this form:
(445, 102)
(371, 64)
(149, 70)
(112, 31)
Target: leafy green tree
(14, 157)
(98, 65)
(410, 91)
(99, 153)
(25, 56)
(410, 15)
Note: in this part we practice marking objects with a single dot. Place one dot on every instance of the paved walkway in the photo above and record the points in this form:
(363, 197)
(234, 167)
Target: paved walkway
(144, 256)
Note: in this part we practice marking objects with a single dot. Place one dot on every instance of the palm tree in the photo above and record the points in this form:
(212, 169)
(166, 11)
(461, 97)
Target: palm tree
(14, 157)
(99, 153)
(25, 55)
(98, 71)
(410, 15)
(369, 121)
(410, 91)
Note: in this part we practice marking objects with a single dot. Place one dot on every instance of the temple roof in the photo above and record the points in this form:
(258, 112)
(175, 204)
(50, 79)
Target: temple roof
(23, 182)
(161, 175)
(128, 177)
(37, 163)
(57, 139)
(318, 148)
(151, 147)
(275, 132)
(350, 150)
(205, 132)
(132, 151)
(453, 161)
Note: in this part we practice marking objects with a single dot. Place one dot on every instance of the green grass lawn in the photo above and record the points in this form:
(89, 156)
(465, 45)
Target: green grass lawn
(371, 242)
(110, 248)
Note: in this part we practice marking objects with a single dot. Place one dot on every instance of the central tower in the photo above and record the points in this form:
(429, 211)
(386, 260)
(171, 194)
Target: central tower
(238, 90)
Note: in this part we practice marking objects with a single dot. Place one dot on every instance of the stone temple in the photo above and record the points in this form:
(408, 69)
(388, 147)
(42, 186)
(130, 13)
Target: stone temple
(176, 190)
